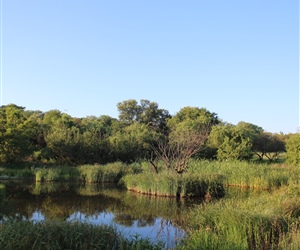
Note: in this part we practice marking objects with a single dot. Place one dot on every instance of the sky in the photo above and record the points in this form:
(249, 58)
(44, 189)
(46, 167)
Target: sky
(236, 58)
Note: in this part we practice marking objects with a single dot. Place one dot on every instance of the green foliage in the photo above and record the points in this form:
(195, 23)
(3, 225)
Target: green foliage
(57, 138)
(268, 145)
(233, 142)
(64, 235)
(16, 130)
(146, 112)
(293, 149)
(133, 142)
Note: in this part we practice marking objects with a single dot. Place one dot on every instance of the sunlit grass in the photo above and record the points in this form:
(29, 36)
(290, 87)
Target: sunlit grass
(168, 183)
(263, 220)
(248, 174)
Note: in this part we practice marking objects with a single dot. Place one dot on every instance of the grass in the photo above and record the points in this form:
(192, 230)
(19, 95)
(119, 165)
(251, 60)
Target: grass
(168, 183)
(2, 192)
(248, 174)
(66, 235)
(14, 173)
(263, 220)
(266, 216)
(86, 173)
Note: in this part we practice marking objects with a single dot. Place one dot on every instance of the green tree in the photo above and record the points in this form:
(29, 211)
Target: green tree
(234, 142)
(293, 149)
(132, 143)
(15, 134)
(188, 132)
(63, 138)
(96, 133)
(269, 145)
(146, 112)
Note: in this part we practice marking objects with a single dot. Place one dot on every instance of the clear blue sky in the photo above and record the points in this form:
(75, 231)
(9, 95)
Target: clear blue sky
(237, 58)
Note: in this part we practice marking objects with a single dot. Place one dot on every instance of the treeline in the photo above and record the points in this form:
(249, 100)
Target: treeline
(56, 137)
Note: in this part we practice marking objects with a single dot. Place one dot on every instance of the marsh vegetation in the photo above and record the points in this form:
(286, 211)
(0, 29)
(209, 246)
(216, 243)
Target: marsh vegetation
(246, 179)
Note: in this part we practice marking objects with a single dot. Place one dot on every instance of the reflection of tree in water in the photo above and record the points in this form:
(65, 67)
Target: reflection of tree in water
(124, 219)
(146, 221)
(53, 211)
(60, 202)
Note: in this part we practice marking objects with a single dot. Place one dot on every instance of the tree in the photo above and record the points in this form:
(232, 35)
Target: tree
(293, 149)
(188, 131)
(132, 143)
(15, 133)
(234, 142)
(63, 138)
(146, 113)
(268, 145)
(96, 132)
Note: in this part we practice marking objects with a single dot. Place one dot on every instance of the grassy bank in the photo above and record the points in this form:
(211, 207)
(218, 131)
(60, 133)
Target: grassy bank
(248, 174)
(66, 235)
(86, 173)
(14, 173)
(168, 183)
(262, 221)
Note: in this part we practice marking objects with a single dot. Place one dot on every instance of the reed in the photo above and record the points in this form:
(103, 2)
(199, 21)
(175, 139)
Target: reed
(168, 183)
(111, 172)
(57, 174)
(13, 173)
(247, 174)
(66, 235)
(263, 220)
(86, 173)
(2, 192)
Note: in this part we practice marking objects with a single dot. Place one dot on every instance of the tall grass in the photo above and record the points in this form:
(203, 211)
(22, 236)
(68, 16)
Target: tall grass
(168, 183)
(57, 174)
(247, 174)
(13, 173)
(265, 220)
(2, 192)
(64, 235)
(86, 173)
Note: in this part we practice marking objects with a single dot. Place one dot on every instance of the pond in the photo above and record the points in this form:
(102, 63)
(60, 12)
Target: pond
(156, 218)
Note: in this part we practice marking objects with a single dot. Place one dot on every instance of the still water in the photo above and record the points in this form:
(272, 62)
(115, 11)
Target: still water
(156, 218)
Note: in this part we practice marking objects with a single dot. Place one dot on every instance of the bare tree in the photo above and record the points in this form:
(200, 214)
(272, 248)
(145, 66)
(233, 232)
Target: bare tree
(176, 149)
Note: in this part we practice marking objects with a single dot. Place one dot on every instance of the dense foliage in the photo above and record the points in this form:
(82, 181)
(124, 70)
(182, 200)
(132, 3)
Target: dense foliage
(56, 137)
(293, 149)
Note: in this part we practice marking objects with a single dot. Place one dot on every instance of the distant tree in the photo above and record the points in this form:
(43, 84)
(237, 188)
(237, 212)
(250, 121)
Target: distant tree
(188, 132)
(132, 143)
(15, 134)
(146, 112)
(234, 142)
(96, 132)
(63, 138)
(268, 145)
(293, 149)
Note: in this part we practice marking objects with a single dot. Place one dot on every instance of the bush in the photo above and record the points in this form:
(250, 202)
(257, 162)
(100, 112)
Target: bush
(293, 150)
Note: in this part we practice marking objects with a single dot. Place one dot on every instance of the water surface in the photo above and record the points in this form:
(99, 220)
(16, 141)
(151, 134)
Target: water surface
(156, 218)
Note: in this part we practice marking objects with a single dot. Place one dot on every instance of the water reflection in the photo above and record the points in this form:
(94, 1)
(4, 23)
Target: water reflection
(133, 214)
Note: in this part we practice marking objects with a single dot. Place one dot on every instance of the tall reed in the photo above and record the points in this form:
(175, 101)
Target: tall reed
(263, 220)
(66, 235)
(86, 173)
(169, 183)
(247, 174)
